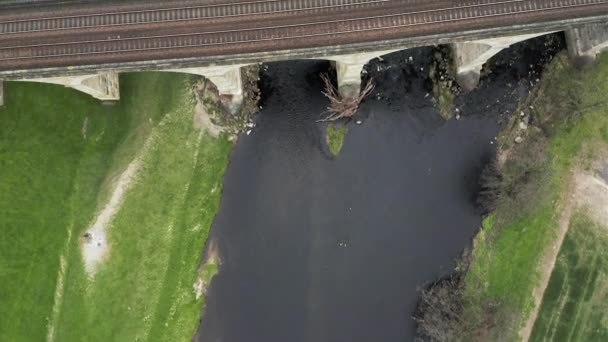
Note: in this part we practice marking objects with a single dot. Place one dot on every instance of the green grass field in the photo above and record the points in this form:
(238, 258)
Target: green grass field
(503, 272)
(575, 303)
(54, 178)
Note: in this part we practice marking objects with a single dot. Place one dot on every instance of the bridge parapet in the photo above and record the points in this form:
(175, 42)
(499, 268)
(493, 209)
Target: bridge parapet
(472, 55)
(227, 79)
(103, 86)
(349, 67)
(585, 42)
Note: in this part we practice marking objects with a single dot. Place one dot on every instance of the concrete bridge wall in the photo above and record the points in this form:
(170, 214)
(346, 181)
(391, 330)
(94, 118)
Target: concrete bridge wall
(472, 49)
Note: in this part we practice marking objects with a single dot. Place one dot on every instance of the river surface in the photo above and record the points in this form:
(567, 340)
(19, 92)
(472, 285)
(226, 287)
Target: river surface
(322, 249)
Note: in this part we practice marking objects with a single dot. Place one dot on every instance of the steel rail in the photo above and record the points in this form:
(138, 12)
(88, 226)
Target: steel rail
(264, 27)
(144, 11)
(306, 35)
(271, 27)
(142, 22)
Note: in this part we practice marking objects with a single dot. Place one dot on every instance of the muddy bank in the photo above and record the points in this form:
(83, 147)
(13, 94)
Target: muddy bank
(316, 248)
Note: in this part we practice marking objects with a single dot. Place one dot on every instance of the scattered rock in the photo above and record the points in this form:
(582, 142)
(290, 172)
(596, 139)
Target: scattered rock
(358, 122)
(519, 140)
(523, 126)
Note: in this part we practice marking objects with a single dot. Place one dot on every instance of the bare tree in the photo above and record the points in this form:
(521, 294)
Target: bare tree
(341, 107)
(439, 312)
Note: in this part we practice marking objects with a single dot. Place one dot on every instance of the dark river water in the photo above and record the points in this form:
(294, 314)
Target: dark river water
(323, 249)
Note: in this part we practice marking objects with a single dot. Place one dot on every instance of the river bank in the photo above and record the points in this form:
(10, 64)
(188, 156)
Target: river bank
(141, 173)
(558, 139)
(322, 248)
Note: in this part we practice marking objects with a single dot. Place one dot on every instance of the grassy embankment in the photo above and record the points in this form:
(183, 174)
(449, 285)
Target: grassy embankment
(569, 116)
(575, 301)
(60, 155)
(335, 137)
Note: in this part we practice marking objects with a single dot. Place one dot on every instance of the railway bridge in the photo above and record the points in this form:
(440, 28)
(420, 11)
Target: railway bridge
(86, 44)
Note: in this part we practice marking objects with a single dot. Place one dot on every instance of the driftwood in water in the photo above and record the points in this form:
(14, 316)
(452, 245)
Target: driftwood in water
(343, 107)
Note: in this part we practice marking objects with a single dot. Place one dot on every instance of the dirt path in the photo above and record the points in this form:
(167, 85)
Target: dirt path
(96, 247)
(548, 262)
(586, 190)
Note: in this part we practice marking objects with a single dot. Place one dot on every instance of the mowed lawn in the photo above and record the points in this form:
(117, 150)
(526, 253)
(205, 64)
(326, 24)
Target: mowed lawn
(60, 155)
(575, 303)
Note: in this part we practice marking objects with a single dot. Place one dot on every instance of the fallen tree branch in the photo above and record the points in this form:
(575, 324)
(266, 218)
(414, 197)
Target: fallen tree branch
(340, 107)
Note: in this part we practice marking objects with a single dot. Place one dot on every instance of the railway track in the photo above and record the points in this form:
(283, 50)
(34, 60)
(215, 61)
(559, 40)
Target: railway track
(261, 33)
(176, 14)
(209, 11)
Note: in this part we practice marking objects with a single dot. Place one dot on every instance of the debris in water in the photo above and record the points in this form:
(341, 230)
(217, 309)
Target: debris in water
(358, 122)
(343, 107)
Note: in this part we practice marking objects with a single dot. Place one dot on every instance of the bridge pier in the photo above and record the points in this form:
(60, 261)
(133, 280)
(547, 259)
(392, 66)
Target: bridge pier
(227, 80)
(470, 57)
(348, 70)
(102, 86)
(585, 42)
